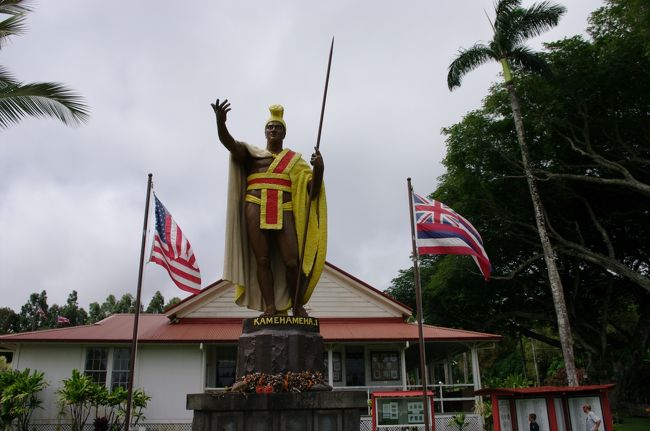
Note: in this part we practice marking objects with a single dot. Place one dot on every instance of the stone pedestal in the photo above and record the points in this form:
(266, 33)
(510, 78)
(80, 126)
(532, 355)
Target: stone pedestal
(274, 345)
(304, 411)
(278, 344)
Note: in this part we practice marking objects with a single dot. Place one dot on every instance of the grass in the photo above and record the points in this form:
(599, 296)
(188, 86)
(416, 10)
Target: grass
(633, 424)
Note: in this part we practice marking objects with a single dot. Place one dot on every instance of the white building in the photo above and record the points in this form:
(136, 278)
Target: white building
(370, 345)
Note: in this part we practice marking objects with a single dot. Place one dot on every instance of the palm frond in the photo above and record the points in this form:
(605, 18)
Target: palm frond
(466, 61)
(6, 78)
(537, 19)
(12, 26)
(14, 7)
(504, 7)
(42, 99)
(504, 10)
(524, 58)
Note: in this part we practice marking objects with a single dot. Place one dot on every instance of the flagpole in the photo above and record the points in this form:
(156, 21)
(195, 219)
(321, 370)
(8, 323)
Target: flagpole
(311, 190)
(418, 301)
(136, 319)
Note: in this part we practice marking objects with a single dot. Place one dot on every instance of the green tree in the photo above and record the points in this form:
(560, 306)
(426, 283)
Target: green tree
(512, 26)
(126, 304)
(592, 156)
(8, 320)
(157, 303)
(34, 314)
(42, 99)
(95, 312)
(75, 314)
(109, 305)
(172, 301)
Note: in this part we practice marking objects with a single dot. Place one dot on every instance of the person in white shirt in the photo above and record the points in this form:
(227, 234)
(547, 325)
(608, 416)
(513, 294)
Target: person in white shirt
(592, 421)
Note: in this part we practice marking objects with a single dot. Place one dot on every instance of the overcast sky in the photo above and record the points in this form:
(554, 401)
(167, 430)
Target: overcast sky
(72, 199)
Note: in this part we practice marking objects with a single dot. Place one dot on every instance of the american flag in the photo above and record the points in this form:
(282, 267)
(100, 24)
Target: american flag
(62, 320)
(441, 230)
(173, 251)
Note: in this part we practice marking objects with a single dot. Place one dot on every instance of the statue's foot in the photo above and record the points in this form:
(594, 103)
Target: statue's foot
(300, 311)
(269, 312)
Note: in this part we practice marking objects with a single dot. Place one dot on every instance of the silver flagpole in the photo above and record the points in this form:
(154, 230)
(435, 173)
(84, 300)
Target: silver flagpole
(418, 301)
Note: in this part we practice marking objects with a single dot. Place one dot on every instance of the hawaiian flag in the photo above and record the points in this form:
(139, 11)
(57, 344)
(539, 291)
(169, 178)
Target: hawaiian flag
(441, 230)
(173, 251)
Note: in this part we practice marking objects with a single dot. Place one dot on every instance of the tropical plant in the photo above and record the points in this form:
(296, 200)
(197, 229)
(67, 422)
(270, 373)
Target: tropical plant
(116, 407)
(79, 397)
(41, 99)
(19, 397)
(4, 366)
(140, 401)
(76, 398)
(512, 26)
(484, 410)
(458, 421)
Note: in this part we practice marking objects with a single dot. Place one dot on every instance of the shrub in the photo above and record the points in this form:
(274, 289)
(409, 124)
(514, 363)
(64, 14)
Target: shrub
(19, 397)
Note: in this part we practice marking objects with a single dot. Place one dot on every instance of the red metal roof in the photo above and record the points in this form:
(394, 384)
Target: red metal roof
(156, 328)
(545, 390)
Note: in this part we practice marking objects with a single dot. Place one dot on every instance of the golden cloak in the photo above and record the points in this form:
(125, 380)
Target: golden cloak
(239, 260)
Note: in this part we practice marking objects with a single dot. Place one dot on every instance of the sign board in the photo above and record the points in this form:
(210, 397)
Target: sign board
(399, 409)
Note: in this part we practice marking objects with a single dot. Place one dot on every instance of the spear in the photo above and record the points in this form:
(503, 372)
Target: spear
(311, 190)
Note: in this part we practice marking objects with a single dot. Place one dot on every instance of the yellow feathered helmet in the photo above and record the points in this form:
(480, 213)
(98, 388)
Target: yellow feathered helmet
(277, 111)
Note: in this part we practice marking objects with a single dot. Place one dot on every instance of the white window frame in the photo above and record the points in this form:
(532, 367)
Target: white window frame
(108, 381)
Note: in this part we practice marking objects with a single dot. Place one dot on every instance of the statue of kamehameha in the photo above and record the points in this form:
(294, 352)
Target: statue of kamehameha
(269, 194)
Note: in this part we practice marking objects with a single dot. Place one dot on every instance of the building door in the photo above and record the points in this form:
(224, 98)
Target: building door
(355, 369)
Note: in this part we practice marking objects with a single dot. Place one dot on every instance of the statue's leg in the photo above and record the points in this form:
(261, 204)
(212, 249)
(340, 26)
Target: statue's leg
(259, 242)
(288, 245)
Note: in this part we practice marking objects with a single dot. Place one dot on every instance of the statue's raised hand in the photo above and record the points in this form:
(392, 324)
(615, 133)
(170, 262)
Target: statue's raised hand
(221, 110)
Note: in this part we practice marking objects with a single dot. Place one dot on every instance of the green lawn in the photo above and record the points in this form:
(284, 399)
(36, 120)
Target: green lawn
(633, 424)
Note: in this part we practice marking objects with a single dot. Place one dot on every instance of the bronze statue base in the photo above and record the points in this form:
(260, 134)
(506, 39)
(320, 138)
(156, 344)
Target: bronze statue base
(278, 344)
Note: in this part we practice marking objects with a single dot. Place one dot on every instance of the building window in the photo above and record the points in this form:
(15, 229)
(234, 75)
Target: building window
(384, 366)
(108, 366)
(336, 367)
(221, 365)
(96, 364)
(120, 372)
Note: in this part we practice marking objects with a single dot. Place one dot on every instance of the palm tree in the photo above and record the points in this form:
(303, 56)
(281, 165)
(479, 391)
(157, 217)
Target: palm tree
(512, 26)
(41, 99)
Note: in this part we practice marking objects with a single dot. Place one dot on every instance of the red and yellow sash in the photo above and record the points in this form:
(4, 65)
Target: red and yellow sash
(273, 183)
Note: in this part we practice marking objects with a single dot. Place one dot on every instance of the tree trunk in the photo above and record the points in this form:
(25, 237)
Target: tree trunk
(564, 328)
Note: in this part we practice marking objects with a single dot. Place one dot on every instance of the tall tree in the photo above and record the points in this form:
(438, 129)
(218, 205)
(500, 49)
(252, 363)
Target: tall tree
(512, 26)
(95, 312)
(157, 303)
(126, 304)
(8, 320)
(41, 99)
(172, 301)
(35, 313)
(71, 311)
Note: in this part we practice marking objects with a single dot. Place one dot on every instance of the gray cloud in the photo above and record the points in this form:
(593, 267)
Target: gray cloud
(72, 200)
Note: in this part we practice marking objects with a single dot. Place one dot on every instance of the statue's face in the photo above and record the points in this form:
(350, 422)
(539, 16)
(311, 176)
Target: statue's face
(274, 131)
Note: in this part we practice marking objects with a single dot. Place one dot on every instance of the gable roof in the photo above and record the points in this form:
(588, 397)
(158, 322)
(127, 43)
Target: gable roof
(337, 295)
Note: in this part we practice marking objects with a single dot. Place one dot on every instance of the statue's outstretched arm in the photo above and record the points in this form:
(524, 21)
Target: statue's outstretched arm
(238, 150)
